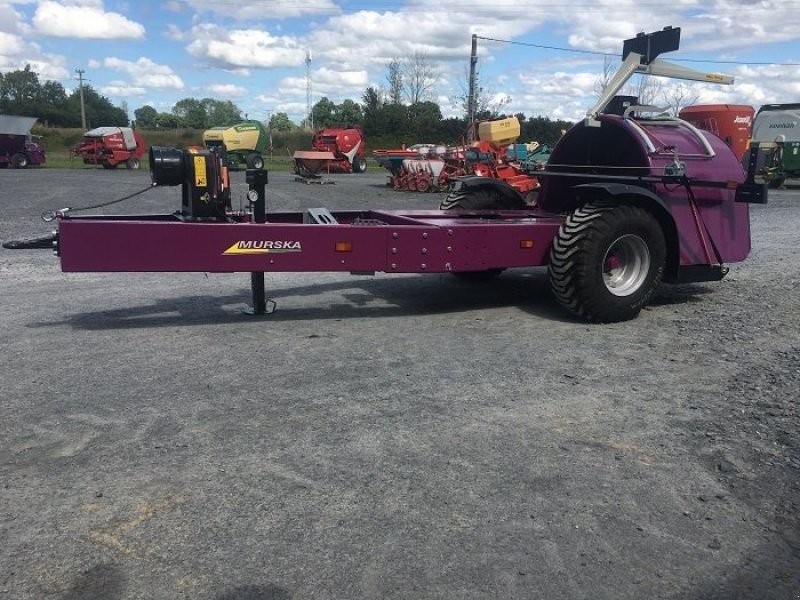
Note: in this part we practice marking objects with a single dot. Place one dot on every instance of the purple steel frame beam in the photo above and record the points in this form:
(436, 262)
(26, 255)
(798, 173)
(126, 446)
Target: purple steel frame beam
(387, 241)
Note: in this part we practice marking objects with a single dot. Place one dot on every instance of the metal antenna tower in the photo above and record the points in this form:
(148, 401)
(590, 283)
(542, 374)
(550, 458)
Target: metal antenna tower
(309, 115)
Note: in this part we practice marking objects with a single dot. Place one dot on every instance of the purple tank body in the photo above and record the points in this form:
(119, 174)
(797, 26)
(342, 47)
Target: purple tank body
(626, 146)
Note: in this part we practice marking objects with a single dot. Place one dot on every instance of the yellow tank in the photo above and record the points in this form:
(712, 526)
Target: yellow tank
(499, 133)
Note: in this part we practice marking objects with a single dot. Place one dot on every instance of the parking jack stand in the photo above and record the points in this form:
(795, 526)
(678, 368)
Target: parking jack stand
(257, 180)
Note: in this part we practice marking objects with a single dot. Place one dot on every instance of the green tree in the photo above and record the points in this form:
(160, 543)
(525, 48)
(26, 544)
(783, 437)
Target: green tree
(453, 130)
(281, 122)
(372, 105)
(395, 118)
(52, 109)
(145, 116)
(394, 77)
(21, 93)
(100, 112)
(424, 120)
(20, 88)
(348, 112)
(191, 113)
(543, 130)
(220, 113)
(323, 113)
(167, 121)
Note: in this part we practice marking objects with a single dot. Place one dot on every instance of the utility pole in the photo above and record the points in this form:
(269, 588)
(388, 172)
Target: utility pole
(473, 61)
(269, 127)
(80, 73)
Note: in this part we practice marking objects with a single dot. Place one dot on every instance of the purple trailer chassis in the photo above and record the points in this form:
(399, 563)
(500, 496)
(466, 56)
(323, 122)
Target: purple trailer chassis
(373, 241)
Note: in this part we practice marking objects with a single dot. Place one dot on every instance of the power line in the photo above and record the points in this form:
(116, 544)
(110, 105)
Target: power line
(692, 60)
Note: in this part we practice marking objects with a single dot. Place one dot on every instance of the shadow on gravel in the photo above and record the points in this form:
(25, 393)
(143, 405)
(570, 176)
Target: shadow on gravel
(255, 592)
(678, 294)
(771, 574)
(372, 298)
(101, 582)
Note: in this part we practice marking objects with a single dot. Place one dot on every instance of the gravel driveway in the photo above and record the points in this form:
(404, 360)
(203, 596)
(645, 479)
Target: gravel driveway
(394, 436)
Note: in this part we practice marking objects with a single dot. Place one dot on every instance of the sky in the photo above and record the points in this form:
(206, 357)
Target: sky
(541, 58)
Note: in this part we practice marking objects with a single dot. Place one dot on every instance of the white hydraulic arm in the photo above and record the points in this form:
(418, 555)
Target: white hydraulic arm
(634, 63)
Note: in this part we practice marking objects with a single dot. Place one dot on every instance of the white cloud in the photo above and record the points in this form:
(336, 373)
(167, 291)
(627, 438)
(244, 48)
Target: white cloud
(86, 20)
(249, 10)
(174, 33)
(737, 24)
(227, 90)
(17, 50)
(294, 109)
(238, 48)
(239, 72)
(770, 84)
(333, 79)
(121, 89)
(707, 26)
(9, 43)
(11, 21)
(146, 73)
(335, 85)
(16, 53)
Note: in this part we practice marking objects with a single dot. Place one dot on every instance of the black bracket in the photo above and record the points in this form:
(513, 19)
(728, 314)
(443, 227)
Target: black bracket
(650, 45)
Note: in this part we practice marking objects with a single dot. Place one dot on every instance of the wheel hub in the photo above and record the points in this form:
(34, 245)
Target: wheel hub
(625, 265)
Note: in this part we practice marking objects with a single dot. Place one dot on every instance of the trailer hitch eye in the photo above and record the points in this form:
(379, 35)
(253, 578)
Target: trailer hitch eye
(167, 166)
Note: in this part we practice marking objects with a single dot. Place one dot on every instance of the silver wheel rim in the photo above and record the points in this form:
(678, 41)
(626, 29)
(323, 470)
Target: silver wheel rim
(626, 265)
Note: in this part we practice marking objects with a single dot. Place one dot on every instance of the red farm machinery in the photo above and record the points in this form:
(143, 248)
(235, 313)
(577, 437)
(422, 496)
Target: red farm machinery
(333, 149)
(429, 168)
(110, 147)
(731, 122)
(626, 202)
(421, 167)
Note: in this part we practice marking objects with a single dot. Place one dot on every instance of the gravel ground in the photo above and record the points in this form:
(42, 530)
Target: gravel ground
(391, 436)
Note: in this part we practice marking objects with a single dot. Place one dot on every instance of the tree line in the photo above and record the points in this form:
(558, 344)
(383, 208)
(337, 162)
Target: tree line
(21, 93)
(401, 112)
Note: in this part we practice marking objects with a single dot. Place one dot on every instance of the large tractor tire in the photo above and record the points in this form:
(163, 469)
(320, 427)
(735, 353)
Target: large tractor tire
(606, 261)
(256, 161)
(480, 199)
(359, 164)
(20, 161)
(108, 165)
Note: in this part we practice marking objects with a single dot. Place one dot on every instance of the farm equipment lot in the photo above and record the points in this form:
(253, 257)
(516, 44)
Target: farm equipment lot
(396, 436)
